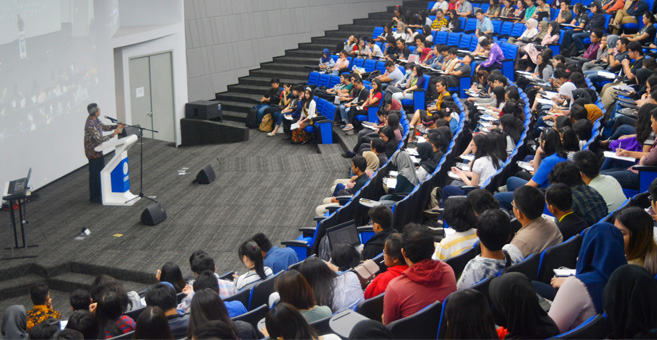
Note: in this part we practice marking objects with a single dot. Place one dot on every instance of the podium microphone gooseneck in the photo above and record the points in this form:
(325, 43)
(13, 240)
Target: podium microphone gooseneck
(113, 120)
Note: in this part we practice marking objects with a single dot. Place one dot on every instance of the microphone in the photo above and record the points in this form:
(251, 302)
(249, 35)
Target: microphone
(113, 120)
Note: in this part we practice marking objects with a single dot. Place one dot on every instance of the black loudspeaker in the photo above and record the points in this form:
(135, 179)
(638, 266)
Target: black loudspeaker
(203, 109)
(154, 214)
(206, 175)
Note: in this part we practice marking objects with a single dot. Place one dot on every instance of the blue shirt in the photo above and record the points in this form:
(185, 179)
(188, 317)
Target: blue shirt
(540, 176)
(280, 258)
(453, 125)
(235, 308)
(485, 25)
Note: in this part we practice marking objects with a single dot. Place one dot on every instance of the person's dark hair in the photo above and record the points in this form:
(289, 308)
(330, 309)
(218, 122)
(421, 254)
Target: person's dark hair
(479, 11)
(566, 173)
(68, 334)
(202, 263)
(417, 243)
(551, 143)
(493, 229)
(579, 9)
(92, 109)
(105, 283)
(438, 140)
(306, 103)
(545, 60)
(84, 322)
(482, 200)
(344, 53)
(262, 241)
(295, 289)
(577, 78)
(482, 77)
(569, 139)
(642, 241)
(560, 73)
(469, 316)
(497, 144)
(419, 69)
(652, 189)
(344, 256)
(284, 321)
(583, 128)
(152, 324)
(206, 306)
(635, 46)
(643, 125)
(513, 108)
(320, 277)
(358, 79)
(529, 201)
(393, 121)
(378, 145)
(393, 247)
(39, 293)
(624, 41)
(498, 91)
(80, 299)
(171, 273)
(484, 43)
(251, 250)
(215, 329)
(453, 51)
(275, 81)
(205, 280)
(578, 112)
(511, 126)
(389, 133)
(194, 255)
(109, 308)
(560, 196)
(389, 63)
(359, 162)
(377, 82)
(162, 296)
(381, 215)
(484, 149)
(587, 163)
(44, 330)
(561, 122)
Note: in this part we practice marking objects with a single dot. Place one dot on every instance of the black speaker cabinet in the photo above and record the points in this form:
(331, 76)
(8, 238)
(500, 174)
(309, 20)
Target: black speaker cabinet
(203, 109)
(154, 214)
(206, 175)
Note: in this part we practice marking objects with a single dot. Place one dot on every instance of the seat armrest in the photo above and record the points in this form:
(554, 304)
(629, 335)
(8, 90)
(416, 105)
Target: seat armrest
(365, 228)
(468, 188)
(308, 231)
(343, 199)
(319, 218)
(295, 243)
(640, 168)
(332, 209)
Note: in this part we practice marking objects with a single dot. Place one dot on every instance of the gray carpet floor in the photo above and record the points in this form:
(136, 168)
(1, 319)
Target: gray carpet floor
(263, 185)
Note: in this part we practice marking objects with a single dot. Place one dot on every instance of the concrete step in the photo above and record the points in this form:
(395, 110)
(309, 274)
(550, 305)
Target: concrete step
(71, 281)
(250, 89)
(233, 116)
(328, 40)
(304, 53)
(300, 75)
(296, 60)
(18, 286)
(235, 106)
(284, 68)
(317, 47)
(239, 97)
(265, 81)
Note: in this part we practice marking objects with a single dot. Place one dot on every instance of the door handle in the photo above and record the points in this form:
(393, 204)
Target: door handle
(150, 114)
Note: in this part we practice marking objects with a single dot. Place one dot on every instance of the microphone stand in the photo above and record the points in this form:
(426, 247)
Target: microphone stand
(141, 161)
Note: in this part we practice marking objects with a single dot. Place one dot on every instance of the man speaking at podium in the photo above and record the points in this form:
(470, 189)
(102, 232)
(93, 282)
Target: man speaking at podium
(93, 136)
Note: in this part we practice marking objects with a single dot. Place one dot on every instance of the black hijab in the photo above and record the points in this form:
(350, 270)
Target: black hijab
(369, 329)
(428, 159)
(630, 297)
(516, 308)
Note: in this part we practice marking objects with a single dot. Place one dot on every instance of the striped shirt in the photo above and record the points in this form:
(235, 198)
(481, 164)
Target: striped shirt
(455, 244)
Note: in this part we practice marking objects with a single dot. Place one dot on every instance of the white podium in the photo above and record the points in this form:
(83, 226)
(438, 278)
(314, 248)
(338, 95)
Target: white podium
(114, 178)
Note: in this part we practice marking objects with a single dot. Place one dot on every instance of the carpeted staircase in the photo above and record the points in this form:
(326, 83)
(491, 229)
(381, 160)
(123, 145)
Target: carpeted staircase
(295, 65)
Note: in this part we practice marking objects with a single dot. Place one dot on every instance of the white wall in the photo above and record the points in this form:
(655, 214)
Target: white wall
(227, 38)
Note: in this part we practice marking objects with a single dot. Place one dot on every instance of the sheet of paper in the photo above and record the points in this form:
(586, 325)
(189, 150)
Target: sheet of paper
(545, 101)
(295, 126)
(525, 166)
(607, 74)
(624, 88)
(371, 127)
(391, 183)
(488, 117)
(549, 94)
(393, 173)
(415, 160)
(412, 152)
(453, 175)
(611, 154)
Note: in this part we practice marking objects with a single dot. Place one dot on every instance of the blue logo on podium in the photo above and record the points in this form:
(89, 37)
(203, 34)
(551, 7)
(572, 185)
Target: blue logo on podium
(120, 177)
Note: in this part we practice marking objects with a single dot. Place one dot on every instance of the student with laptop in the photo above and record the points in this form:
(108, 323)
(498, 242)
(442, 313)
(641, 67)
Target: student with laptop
(93, 137)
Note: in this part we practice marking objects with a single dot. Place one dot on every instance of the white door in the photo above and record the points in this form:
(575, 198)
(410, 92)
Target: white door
(151, 95)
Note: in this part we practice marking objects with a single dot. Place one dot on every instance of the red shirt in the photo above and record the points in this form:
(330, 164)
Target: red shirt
(380, 282)
(420, 285)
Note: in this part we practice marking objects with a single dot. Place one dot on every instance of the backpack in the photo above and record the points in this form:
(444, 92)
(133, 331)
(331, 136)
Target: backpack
(267, 124)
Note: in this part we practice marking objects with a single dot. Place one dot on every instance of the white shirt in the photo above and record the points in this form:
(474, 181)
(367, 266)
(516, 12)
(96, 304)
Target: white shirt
(444, 5)
(347, 292)
(250, 278)
(484, 167)
(610, 190)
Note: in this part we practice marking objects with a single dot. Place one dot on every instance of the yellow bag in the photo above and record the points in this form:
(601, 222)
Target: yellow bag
(267, 124)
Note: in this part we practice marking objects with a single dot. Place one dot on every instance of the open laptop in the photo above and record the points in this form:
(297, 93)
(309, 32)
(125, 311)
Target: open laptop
(344, 232)
(18, 185)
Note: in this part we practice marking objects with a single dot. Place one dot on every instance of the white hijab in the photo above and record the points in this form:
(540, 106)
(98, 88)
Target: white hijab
(531, 30)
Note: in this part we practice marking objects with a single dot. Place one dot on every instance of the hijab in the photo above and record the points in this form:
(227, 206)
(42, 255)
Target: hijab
(531, 30)
(630, 298)
(372, 160)
(601, 253)
(427, 157)
(567, 89)
(405, 167)
(611, 41)
(14, 323)
(327, 53)
(370, 329)
(516, 307)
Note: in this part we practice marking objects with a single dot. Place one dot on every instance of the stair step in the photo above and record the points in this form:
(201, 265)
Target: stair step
(239, 97)
(251, 89)
(317, 47)
(71, 281)
(328, 40)
(235, 106)
(373, 21)
(284, 68)
(296, 60)
(18, 286)
(234, 116)
(301, 75)
(303, 53)
(264, 81)
(348, 142)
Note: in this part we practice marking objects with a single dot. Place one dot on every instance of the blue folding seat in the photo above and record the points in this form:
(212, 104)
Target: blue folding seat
(462, 25)
(464, 44)
(518, 29)
(324, 80)
(454, 39)
(378, 43)
(381, 66)
(412, 48)
(507, 26)
(473, 43)
(334, 81)
(377, 32)
(358, 62)
(441, 37)
(510, 55)
(485, 6)
(335, 57)
(470, 25)
(313, 78)
(430, 6)
(497, 26)
(369, 65)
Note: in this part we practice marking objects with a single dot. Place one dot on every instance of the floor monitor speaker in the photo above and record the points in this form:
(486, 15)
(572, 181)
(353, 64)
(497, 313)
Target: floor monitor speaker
(154, 214)
(206, 175)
